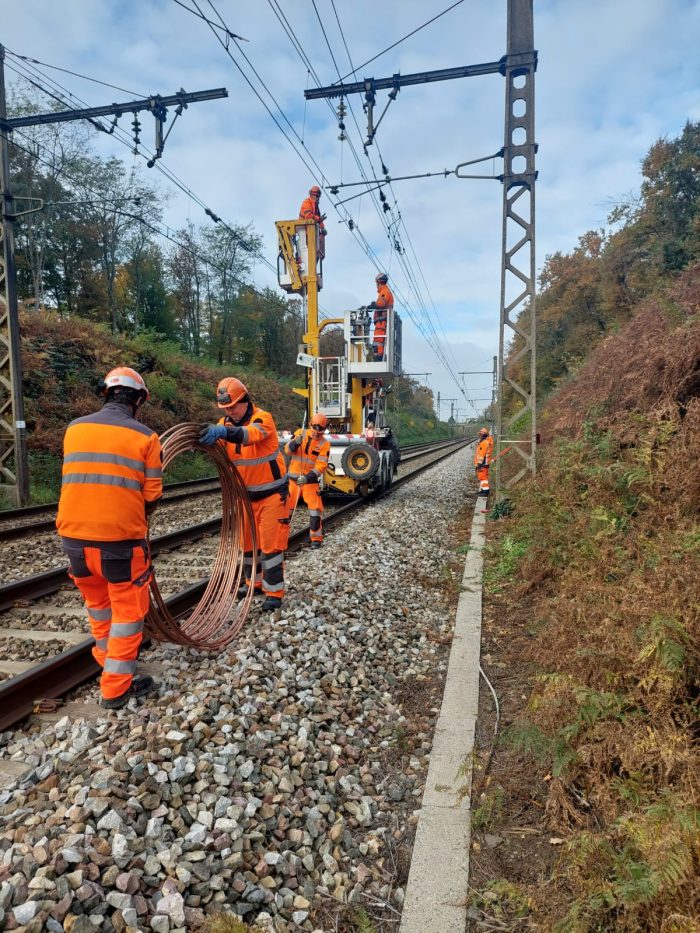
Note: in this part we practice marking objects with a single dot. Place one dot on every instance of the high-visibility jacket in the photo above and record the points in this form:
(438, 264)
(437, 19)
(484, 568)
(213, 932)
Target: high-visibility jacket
(309, 210)
(383, 304)
(258, 457)
(112, 467)
(483, 452)
(310, 457)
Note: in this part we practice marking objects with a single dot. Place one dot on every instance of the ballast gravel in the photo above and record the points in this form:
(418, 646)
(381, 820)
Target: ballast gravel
(272, 781)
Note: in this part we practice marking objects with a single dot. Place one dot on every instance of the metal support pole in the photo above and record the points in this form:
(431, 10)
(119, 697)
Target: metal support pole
(518, 258)
(14, 472)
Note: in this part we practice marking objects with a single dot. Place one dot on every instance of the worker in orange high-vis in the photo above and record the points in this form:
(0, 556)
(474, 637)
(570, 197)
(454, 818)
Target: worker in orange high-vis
(310, 210)
(309, 452)
(251, 441)
(482, 460)
(112, 481)
(383, 306)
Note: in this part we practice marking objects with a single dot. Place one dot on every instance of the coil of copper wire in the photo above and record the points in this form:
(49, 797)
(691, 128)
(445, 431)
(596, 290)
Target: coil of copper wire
(215, 621)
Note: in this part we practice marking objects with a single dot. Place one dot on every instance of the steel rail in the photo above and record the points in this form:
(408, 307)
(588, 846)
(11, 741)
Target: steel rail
(47, 582)
(67, 671)
(187, 490)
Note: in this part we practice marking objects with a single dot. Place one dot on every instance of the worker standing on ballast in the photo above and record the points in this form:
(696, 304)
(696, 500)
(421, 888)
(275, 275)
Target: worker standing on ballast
(112, 481)
(482, 460)
(310, 210)
(250, 437)
(383, 306)
(309, 451)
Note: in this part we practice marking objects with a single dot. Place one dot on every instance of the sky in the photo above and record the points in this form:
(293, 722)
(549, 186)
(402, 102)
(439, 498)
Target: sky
(613, 76)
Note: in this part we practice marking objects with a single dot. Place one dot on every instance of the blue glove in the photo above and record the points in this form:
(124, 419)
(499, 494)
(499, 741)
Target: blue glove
(211, 433)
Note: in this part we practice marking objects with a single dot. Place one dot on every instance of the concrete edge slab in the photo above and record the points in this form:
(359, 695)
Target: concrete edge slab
(438, 882)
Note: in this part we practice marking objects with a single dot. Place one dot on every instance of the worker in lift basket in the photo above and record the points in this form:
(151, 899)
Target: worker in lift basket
(309, 451)
(112, 481)
(383, 306)
(310, 210)
(250, 437)
(482, 460)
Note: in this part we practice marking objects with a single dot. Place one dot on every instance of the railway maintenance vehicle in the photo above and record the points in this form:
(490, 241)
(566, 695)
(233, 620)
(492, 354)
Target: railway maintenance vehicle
(350, 389)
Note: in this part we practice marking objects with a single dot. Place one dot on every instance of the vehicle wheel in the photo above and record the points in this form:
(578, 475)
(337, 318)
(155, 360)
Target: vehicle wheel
(360, 461)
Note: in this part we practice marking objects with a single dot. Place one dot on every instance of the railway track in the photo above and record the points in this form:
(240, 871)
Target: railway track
(38, 519)
(57, 675)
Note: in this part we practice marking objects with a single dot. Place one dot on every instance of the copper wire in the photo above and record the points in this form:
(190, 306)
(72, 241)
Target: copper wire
(214, 622)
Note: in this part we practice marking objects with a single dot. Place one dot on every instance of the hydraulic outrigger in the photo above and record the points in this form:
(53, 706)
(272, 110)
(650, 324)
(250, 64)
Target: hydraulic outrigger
(349, 389)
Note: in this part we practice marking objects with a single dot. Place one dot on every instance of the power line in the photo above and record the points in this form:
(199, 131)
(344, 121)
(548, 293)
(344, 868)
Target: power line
(399, 41)
(123, 138)
(35, 61)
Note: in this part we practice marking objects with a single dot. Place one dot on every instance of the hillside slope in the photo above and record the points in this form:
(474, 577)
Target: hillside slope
(592, 623)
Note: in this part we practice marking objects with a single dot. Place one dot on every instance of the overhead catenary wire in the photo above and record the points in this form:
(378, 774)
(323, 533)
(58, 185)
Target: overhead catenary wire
(399, 41)
(122, 137)
(436, 343)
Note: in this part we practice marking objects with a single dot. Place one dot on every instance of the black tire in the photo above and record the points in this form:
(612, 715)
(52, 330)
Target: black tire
(359, 461)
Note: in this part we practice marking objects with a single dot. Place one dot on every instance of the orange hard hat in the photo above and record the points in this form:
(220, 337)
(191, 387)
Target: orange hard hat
(484, 431)
(319, 421)
(127, 377)
(230, 391)
(315, 191)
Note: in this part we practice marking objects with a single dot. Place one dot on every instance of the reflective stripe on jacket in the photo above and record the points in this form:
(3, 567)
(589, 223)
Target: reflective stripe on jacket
(311, 456)
(258, 457)
(112, 466)
(483, 452)
(384, 303)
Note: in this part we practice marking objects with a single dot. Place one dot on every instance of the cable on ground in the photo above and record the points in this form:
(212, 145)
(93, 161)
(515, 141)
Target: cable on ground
(213, 623)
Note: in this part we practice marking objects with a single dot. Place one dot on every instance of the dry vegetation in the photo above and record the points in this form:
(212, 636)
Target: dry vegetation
(593, 599)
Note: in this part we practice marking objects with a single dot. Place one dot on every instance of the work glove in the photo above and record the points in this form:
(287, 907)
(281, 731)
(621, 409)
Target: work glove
(294, 444)
(323, 216)
(372, 306)
(211, 433)
(323, 232)
(300, 480)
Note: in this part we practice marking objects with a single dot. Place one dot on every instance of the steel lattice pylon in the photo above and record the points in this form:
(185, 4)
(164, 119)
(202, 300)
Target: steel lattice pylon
(14, 476)
(518, 281)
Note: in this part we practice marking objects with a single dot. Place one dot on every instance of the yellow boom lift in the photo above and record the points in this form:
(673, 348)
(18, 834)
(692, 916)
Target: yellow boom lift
(350, 389)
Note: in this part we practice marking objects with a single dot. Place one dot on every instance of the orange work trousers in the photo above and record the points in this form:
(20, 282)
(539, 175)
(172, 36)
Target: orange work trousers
(378, 342)
(312, 497)
(482, 474)
(271, 516)
(113, 579)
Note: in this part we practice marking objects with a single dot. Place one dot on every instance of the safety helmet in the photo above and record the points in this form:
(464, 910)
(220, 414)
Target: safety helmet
(320, 421)
(483, 432)
(126, 377)
(229, 392)
(382, 277)
(315, 191)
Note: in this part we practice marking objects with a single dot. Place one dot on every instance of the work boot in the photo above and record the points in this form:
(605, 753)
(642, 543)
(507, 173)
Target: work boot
(140, 687)
(243, 591)
(316, 545)
(271, 603)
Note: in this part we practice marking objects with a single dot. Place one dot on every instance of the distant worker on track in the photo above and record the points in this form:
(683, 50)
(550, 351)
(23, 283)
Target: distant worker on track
(112, 481)
(310, 210)
(250, 436)
(309, 451)
(482, 460)
(383, 306)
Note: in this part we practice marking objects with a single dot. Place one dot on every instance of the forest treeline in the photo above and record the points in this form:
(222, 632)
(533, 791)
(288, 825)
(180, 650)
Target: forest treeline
(651, 236)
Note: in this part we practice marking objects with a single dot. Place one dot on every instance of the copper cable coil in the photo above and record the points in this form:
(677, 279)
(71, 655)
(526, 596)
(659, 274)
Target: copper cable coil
(214, 622)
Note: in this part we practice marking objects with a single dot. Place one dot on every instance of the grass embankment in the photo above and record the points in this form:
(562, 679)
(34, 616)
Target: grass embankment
(592, 621)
